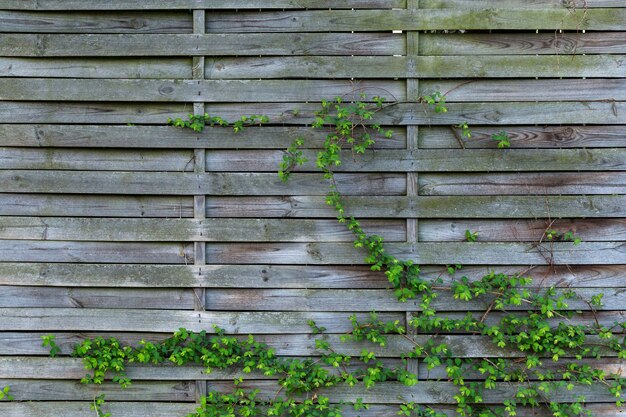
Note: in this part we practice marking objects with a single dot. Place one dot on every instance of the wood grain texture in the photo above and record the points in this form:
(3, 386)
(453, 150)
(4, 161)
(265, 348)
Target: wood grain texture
(62, 89)
(586, 253)
(403, 114)
(190, 230)
(369, 300)
(102, 22)
(94, 205)
(564, 45)
(279, 276)
(112, 136)
(432, 160)
(466, 346)
(182, 183)
(544, 137)
(196, 4)
(133, 45)
(523, 183)
(414, 20)
(492, 66)
(164, 67)
(95, 252)
(433, 206)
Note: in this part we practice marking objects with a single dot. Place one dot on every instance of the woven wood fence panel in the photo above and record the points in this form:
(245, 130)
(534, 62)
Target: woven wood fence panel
(113, 223)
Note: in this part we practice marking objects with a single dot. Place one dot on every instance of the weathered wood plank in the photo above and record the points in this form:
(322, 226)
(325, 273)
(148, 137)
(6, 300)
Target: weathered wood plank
(465, 346)
(378, 300)
(93, 320)
(179, 183)
(42, 390)
(278, 276)
(523, 183)
(518, 4)
(75, 136)
(56, 297)
(527, 90)
(466, 206)
(423, 66)
(529, 137)
(426, 392)
(521, 230)
(97, 68)
(133, 45)
(94, 205)
(192, 230)
(96, 160)
(216, 91)
(563, 44)
(268, 161)
(596, 253)
(423, 19)
(78, 409)
(102, 22)
(432, 160)
(602, 113)
(197, 4)
(95, 252)
(128, 409)
(72, 368)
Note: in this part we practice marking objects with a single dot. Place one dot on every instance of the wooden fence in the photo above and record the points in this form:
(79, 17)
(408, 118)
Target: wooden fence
(115, 224)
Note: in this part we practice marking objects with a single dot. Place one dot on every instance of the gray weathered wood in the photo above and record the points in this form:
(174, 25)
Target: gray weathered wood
(133, 45)
(77, 136)
(562, 44)
(463, 345)
(522, 231)
(603, 113)
(528, 90)
(97, 68)
(423, 19)
(130, 409)
(379, 300)
(95, 252)
(42, 390)
(518, 4)
(43, 319)
(586, 253)
(431, 160)
(87, 159)
(188, 230)
(63, 89)
(179, 183)
(196, 4)
(111, 22)
(56, 297)
(94, 205)
(466, 206)
(523, 183)
(424, 66)
(278, 276)
(528, 137)
(38, 319)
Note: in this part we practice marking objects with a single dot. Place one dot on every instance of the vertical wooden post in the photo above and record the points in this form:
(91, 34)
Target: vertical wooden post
(199, 201)
(412, 132)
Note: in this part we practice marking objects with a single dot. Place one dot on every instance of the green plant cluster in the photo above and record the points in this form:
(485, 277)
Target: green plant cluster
(529, 335)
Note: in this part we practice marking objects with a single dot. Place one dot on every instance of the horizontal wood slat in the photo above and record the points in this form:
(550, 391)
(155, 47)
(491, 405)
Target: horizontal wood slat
(114, 22)
(403, 114)
(423, 19)
(188, 230)
(492, 66)
(278, 276)
(160, 321)
(596, 253)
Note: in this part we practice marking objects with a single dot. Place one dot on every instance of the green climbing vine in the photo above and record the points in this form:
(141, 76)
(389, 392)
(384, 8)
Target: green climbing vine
(529, 335)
